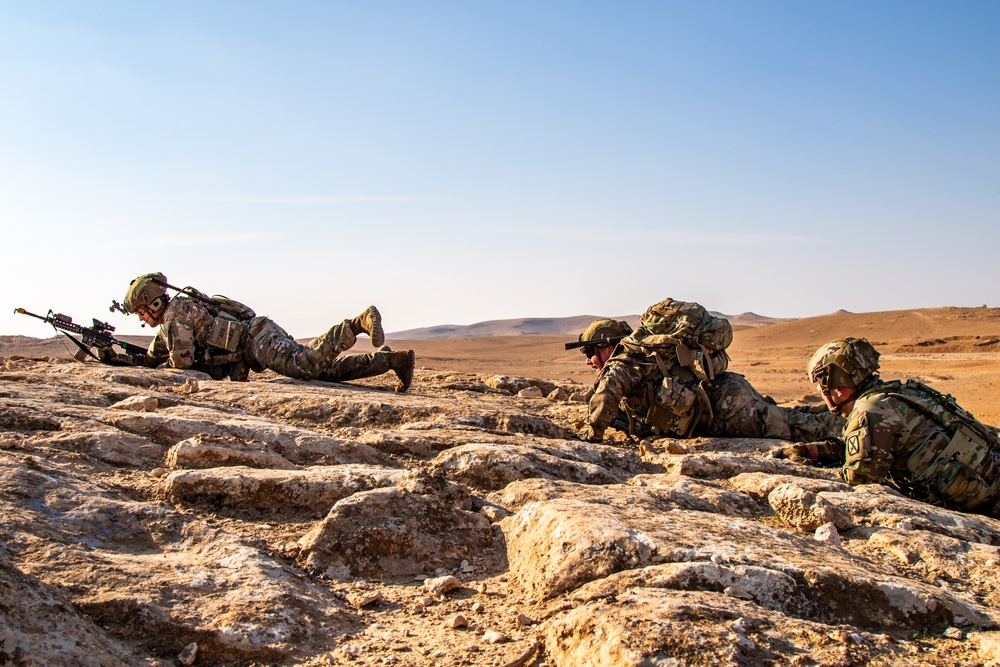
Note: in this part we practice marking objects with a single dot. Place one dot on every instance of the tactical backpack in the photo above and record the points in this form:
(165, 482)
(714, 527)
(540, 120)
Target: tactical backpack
(688, 345)
(683, 333)
(966, 472)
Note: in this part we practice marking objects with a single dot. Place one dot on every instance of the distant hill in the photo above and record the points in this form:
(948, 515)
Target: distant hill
(949, 329)
(563, 326)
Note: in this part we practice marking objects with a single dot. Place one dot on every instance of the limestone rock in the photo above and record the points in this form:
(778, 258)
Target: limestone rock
(137, 404)
(314, 488)
(806, 510)
(231, 517)
(493, 466)
(558, 394)
(393, 532)
(213, 451)
(441, 585)
(827, 534)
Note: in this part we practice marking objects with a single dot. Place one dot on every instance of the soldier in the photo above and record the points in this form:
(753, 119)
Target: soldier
(194, 334)
(902, 434)
(675, 392)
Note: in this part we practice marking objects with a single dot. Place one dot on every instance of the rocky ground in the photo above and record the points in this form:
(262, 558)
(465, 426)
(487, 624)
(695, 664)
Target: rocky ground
(154, 517)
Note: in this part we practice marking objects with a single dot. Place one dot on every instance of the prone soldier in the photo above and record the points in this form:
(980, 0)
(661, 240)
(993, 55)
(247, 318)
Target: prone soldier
(901, 433)
(670, 378)
(195, 332)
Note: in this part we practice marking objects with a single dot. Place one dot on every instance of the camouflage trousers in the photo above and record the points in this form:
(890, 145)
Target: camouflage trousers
(356, 366)
(271, 347)
(739, 410)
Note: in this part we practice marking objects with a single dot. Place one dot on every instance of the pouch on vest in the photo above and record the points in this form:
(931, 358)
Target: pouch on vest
(673, 408)
(225, 334)
(964, 473)
(961, 486)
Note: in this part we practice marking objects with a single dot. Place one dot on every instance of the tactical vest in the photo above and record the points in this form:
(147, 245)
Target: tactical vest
(229, 328)
(688, 345)
(965, 472)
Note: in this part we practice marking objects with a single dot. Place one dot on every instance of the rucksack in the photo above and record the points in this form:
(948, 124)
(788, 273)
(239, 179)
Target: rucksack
(685, 331)
(688, 322)
(965, 472)
(218, 304)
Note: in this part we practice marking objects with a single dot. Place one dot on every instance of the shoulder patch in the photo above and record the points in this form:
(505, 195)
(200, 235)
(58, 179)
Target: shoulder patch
(853, 445)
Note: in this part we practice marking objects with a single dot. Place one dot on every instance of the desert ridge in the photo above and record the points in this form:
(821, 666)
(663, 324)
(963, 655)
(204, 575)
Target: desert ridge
(955, 349)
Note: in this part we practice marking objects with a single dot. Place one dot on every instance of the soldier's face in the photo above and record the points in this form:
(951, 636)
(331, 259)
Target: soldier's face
(150, 317)
(599, 357)
(840, 400)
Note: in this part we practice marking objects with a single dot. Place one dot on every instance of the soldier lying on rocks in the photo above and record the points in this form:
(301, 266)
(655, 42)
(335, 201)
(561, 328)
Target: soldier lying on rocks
(225, 339)
(901, 433)
(669, 378)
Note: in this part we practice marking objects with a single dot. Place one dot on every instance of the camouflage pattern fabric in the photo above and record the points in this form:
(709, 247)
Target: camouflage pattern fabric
(357, 366)
(633, 384)
(889, 439)
(271, 347)
(186, 324)
(739, 410)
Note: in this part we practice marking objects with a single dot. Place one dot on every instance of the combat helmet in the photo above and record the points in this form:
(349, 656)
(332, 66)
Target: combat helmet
(143, 291)
(600, 333)
(845, 362)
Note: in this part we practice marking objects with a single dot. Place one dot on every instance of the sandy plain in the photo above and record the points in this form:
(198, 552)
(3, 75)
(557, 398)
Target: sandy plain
(954, 349)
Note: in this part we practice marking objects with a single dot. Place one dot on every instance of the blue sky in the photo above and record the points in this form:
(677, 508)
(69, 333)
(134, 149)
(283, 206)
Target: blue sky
(454, 162)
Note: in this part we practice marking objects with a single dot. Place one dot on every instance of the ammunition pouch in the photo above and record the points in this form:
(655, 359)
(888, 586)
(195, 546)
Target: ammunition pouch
(964, 474)
(226, 334)
(674, 407)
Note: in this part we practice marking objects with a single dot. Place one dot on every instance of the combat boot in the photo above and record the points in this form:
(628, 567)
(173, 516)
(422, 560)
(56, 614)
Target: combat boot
(370, 322)
(402, 363)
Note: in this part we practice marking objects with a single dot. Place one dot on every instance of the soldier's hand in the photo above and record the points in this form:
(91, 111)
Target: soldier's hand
(801, 453)
(587, 433)
(109, 356)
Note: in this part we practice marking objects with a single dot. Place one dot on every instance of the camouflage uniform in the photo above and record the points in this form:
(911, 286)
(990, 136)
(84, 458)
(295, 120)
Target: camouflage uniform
(356, 366)
(889, 438)
(634, 384)
(271, 347)
(182, 340)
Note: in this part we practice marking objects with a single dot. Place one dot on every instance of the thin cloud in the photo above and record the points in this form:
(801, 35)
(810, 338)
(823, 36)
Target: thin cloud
(317, 199)
(192, 240)
(686, 236)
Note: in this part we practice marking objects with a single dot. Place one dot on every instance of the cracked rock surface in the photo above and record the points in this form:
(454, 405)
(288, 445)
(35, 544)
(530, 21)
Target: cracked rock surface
(149, 517)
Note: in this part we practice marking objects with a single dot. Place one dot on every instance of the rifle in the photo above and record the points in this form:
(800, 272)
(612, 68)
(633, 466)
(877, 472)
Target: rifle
(98, 335)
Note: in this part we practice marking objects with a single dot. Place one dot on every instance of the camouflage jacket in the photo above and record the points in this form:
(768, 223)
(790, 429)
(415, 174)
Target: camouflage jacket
(621, 376)
(635, 385)
(889, 439)
(185, 327)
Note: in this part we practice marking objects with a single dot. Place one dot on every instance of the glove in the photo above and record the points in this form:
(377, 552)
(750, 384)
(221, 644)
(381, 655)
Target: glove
(811, 453)
(796, 453)
(588, 433)
(112, 358)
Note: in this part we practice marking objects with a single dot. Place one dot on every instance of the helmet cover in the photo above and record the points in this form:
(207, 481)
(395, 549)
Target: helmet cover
(144, 290)
(845, 362)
